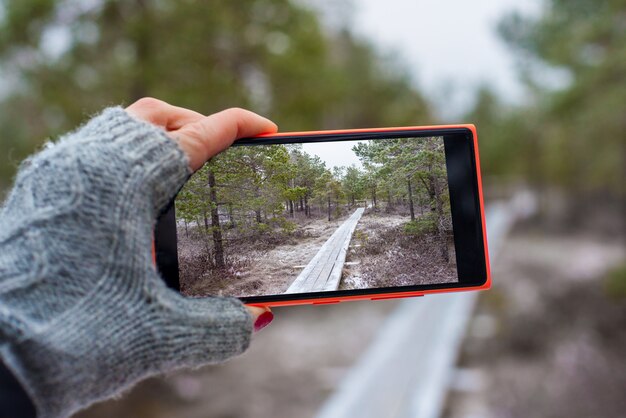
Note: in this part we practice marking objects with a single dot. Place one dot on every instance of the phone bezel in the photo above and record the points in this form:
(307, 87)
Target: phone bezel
(466, 205)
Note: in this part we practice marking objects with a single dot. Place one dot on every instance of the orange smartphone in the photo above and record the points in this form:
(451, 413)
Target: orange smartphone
(322, 217)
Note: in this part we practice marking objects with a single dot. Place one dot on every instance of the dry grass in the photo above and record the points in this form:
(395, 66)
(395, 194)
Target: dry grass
(388, 257)
(258, 263)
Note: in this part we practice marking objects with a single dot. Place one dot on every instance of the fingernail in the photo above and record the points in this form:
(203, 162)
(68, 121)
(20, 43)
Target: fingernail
(263, 320)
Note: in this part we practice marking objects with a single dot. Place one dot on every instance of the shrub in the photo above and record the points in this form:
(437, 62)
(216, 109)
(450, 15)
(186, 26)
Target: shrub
(261, 228)
(423, 225)
(615, 283)
(288, 226)
(361, 237)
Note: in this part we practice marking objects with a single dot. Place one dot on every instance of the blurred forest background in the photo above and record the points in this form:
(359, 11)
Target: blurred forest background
(64, 60)
(571, 138)
(61, 61)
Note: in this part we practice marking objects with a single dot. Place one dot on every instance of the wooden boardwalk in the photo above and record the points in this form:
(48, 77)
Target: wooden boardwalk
(323, 272)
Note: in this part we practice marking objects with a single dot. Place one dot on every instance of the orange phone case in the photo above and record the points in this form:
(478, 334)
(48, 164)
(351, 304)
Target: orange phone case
(394, 295)
(389, 295)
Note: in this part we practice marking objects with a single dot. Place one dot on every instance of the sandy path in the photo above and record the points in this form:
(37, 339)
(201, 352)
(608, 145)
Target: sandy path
(276, 269)
(270, 272)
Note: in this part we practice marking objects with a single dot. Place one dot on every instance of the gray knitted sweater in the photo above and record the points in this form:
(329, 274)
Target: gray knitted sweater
(83, 312)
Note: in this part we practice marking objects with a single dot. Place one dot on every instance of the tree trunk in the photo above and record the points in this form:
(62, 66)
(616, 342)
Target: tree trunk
(215, 223)
(307, 208)
(329, 208)
(206, 221)
(389, 201)
(142, 41)
(432, 192)
(443, 242)
(408, 180)
(301, 204)
(291, 208)
(231, 217)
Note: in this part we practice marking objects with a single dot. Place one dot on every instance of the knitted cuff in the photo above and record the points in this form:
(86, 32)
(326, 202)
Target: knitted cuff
(154, 156)
(67, 368)
(222, 328)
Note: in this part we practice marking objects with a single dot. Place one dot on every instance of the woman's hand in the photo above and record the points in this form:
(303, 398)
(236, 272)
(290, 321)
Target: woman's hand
(201, 137)
(84, 313)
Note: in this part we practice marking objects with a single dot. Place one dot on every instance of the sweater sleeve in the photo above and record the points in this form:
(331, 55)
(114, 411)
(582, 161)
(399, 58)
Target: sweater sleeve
(83, 311)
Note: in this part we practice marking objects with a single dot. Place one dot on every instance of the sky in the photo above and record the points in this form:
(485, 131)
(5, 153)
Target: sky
(450, 46)
(334, 154)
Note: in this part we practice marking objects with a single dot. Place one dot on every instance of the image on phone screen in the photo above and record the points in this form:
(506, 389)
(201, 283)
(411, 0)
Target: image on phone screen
(314, 217)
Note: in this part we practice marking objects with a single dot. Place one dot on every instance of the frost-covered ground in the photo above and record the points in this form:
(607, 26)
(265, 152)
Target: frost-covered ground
(259, 268)
(380, 255)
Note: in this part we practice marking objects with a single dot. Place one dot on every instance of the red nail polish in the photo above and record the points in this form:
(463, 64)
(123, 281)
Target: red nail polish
(263, 320)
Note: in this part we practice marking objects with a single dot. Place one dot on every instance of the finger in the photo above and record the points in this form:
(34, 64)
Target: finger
(261, 315)
(163, 114)
(210, 135)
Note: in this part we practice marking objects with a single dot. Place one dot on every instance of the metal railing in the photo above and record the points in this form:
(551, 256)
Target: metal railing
(407, 370)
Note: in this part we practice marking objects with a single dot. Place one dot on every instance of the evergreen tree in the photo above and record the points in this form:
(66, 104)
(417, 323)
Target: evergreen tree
(62, 60)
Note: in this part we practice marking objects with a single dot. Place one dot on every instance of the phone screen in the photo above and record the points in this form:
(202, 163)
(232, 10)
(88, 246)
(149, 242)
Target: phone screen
(317, 217)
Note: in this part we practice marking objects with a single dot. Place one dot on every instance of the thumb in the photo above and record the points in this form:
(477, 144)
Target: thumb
(210, 135)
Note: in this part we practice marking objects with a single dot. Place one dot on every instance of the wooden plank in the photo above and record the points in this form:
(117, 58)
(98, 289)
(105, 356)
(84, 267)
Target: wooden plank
(332, 282)
(324, 270)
